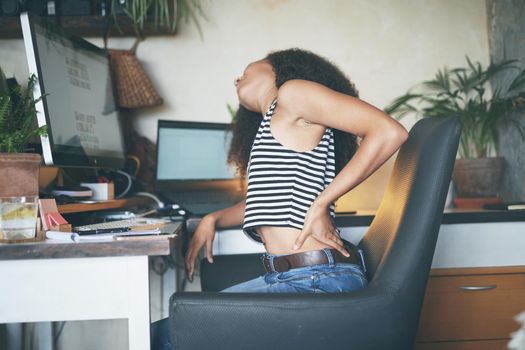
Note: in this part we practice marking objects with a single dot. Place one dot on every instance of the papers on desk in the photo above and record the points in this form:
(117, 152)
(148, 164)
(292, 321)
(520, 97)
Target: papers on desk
(103, 237)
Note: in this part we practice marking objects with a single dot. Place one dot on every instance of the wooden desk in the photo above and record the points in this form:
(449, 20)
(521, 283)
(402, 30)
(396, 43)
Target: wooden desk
(62, 281)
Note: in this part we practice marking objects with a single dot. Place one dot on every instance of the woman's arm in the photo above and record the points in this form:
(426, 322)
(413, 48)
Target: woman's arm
(205, 233)
(229, 217)
(381, 137)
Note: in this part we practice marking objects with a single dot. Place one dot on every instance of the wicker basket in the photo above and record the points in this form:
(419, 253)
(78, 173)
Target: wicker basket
(134, 88)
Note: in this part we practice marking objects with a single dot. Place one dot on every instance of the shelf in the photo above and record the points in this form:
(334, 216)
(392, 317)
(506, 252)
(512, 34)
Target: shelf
(111, 204)
(85, 26)
(450, 216)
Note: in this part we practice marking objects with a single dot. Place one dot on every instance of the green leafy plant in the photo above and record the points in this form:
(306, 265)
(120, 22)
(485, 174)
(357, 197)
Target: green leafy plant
(467, 92)
(233, 111)
(161, 14)
(17, 115)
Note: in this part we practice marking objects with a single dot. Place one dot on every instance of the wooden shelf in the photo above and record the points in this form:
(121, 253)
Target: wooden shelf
(111, 204)
(86, 26)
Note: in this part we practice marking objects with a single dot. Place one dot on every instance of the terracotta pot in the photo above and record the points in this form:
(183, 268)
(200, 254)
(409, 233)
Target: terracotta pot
(478, 177)
(19, 174)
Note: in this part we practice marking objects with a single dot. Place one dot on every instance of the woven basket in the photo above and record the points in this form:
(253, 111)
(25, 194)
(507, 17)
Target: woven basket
(134, 88)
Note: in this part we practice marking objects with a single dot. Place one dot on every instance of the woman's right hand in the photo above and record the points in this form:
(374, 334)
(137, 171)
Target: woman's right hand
(204, 235)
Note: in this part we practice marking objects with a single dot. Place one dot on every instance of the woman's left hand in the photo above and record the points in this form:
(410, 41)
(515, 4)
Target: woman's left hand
(319, 225)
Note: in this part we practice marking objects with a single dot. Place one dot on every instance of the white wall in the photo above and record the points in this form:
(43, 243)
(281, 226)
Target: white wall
(385, 46)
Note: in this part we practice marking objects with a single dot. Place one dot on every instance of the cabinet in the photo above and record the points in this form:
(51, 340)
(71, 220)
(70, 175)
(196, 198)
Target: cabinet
(471, 308)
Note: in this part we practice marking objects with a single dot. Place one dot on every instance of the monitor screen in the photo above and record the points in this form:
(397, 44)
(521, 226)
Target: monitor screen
(193, 151)
(78, 104)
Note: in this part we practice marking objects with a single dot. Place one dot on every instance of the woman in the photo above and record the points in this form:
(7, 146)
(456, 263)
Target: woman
(308, 109)
(295, 138)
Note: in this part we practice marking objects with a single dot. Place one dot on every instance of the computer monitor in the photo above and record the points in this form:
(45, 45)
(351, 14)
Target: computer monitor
(193, 152)
(78, 101)
(192, 161)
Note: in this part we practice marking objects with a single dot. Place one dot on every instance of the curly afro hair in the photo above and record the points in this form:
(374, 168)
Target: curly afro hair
(293, 64)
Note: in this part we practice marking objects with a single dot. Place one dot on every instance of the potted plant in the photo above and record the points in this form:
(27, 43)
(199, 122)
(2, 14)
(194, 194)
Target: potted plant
(18, 170)
(163, 15)
(467, 92)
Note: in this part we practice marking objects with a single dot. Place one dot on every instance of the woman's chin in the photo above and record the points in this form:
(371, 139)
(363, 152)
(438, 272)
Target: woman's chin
(248, 106)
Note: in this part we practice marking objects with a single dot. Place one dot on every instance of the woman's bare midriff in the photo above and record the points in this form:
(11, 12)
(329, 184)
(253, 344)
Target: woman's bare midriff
(280, 240)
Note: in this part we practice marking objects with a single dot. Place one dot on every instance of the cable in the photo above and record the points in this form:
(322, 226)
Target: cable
(149, 212)
(137, 163)
(160, 203)
(130, 182)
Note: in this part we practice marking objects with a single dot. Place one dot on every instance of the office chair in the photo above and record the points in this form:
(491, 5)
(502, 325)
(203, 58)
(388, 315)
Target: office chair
(399, 247)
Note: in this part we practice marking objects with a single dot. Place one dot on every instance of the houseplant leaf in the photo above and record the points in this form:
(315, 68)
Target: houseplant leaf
(17, 117)
(466, 92)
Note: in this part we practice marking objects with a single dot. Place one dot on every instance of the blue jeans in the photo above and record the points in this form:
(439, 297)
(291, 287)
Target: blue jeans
(323, 278)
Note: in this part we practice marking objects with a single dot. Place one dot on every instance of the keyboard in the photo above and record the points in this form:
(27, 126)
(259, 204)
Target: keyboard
(204, 202)
(133, 224)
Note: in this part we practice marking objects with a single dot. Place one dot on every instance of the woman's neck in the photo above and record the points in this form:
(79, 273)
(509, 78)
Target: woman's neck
(266, 99)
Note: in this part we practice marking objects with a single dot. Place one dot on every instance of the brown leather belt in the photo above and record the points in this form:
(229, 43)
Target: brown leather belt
(284, 263)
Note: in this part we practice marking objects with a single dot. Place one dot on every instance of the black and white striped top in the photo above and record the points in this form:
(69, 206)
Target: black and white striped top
(282, 183)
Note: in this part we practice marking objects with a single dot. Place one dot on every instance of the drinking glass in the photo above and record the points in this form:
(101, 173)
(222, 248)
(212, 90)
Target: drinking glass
(18, 217)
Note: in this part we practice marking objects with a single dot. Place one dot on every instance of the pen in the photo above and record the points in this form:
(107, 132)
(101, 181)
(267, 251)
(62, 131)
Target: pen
(103, 230)
(142, 237)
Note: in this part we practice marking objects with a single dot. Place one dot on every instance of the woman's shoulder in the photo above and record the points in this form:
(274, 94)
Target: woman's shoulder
(302, 90)
(300, 96)
(299, 86)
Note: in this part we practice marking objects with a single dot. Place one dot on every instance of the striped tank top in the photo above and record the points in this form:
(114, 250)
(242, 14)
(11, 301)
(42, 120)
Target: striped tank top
(282, 183)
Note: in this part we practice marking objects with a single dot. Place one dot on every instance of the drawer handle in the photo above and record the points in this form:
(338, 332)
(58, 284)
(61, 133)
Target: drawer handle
(493, 286)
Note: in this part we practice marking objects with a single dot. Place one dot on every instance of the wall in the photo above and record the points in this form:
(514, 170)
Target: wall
(385, 46)
(506, 37)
